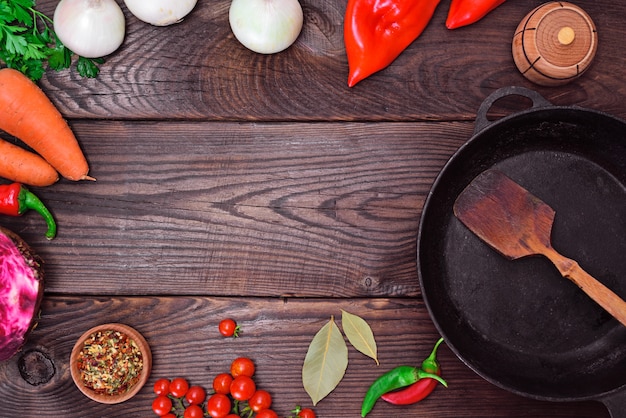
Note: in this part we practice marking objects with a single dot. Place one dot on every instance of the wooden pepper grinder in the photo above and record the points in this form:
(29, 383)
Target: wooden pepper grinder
(555, 43)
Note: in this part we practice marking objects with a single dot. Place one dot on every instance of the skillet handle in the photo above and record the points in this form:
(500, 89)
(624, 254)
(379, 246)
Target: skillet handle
(616, 404)
(537, 100)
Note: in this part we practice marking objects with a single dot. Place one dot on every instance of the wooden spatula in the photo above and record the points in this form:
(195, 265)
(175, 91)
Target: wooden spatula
(517, 224)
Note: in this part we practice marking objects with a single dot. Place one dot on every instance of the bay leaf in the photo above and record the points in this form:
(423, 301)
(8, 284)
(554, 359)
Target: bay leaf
(359, 334)
(325, 363)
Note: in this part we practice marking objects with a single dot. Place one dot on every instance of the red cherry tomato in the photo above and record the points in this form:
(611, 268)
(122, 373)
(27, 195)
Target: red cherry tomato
(260, 400)
(228, 328)
(179, 387)
(266, 413)
(221, 383)
(170, 415)
(195, 395)
(306, 413)
(162, 387)
(162, 405)
(242, 366)
(193, 411)
(218, 406)
(242, 388)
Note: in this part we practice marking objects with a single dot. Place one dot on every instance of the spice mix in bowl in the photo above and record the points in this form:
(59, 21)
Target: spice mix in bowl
(110, 363)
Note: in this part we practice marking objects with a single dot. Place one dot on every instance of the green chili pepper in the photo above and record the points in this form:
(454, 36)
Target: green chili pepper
(394, 379)
(15, 199)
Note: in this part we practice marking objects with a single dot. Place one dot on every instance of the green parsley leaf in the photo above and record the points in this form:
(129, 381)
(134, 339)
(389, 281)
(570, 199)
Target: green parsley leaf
(28, 42)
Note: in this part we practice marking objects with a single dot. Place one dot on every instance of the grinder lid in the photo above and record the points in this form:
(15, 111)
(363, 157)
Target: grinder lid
(555, 43)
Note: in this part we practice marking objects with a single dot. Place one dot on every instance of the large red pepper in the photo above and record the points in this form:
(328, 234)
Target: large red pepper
(376, 31)
(15, 199)
(420, 389)
(466, 12)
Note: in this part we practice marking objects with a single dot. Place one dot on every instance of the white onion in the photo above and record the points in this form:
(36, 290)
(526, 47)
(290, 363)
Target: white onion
(266, 26)
(90, 28)
(160, 12)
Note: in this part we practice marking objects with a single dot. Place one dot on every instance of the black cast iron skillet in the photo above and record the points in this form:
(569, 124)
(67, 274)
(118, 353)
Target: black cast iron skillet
(520, 324)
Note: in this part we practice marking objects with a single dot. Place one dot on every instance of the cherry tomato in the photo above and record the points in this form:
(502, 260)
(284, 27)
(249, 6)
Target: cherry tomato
(242, 388)
(195, 395)
(170, 415)
(162, 405)
(242, 366)
(221, 383)
(193, 411)
(266, 413)
(260, 400)
(228, 328)
(162, 387)
(218, 406)
(306, 413)
(179, 387)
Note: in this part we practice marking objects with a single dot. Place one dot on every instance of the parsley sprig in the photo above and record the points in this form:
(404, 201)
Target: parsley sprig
(28, 42)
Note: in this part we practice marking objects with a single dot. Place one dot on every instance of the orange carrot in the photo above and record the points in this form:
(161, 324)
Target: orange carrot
(23, 166)
(28, 114)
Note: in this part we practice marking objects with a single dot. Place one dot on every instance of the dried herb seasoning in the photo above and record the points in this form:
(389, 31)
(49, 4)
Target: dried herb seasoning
(110, 362)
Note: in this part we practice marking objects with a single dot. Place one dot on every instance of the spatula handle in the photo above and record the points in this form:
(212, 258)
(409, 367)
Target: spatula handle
(603, 296)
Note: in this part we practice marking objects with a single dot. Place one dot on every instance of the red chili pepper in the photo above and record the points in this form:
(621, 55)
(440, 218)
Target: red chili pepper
(377, 31)
(420, 389)
(466, 12)
(15, 199)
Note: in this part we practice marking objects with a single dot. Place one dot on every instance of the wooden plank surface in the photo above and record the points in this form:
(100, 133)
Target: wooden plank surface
(182, 332)
(197, 70)
(263, 188)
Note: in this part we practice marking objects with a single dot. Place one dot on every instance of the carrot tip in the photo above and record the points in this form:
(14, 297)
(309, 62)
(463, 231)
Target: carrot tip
(86, 177)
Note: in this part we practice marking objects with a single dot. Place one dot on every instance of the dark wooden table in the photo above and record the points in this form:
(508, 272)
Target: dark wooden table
(231, 184)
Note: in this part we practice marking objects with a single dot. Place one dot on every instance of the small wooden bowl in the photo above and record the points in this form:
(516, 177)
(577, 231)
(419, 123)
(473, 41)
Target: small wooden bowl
(555, 43)
(143, 376)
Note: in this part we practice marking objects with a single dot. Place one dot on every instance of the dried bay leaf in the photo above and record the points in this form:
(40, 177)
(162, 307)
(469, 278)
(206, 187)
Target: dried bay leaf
(359, 334)
(325, 362)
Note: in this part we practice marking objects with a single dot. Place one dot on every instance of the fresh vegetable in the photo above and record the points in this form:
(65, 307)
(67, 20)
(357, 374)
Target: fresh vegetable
(221, 383)
(195, 395)
(28, 42)
(242, 388)
(377, 31)
(466, 12)
(193, 411)
(218, 406)
(15, 199)
(300, 412)
(260, 400)
(242, 366)
(266, 413)
(179, 387)
(266, 26)
(229, 328)
(28, 114)
(160, 12)
(22, 166)
(21, 292)
(161, 405)
(91, 28)
(162, 387)
(233, 396)
(396, 378)
(420, 389)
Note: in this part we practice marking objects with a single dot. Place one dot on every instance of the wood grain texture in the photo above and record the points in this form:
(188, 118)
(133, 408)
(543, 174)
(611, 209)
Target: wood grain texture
(263, 188)
(198, 70)
(182, 333)
(239, 209)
